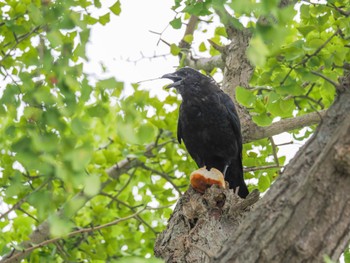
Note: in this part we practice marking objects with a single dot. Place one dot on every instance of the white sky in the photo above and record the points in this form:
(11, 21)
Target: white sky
(128, 38)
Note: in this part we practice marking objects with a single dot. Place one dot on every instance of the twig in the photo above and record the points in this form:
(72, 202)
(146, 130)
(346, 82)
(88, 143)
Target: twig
(274, 151)
(341, 11)
(311, 99)
(29, 215)
(326, 78)
(110, 141)
(143, 57)
(219, 48)
(126, 184)
(164, 175)
(285, 143)
(139, 218)
(18, 40)
(259, 88)
(24, 199)
(308, 57)
(258, 168)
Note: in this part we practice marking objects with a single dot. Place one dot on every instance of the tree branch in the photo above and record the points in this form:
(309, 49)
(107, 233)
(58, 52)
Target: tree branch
(190, 28)
(257, 132)
(258, 168)
(206, 64)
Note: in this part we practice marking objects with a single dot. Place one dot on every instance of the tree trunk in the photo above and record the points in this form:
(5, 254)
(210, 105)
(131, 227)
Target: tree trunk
(304, 216)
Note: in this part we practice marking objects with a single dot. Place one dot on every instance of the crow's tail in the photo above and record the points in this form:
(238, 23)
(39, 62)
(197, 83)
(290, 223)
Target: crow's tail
(234, 176)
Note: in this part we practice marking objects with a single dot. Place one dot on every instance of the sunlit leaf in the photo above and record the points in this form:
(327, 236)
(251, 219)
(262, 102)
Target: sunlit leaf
(174, 49)
(176, 23)
(115, 8)
(257, 51)
(244, 96)
(103, 20)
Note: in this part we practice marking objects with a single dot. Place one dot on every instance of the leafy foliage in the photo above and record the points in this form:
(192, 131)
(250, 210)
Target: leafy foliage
(60, 133)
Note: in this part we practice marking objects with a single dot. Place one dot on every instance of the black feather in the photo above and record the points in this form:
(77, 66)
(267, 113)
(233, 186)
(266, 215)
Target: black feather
(209, 125)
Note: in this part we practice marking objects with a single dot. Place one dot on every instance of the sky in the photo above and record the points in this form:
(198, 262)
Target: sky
(128, 48)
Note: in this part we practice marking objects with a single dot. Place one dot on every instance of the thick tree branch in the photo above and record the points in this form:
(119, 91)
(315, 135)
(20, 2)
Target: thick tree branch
(256, 132)
(206, 64)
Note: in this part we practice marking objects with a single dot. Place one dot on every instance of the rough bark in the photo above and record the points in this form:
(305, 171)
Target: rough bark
(187, 238)
(304, 216)
(306, 213)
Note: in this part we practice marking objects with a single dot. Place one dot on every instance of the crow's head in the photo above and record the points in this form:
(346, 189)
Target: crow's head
(185, 77)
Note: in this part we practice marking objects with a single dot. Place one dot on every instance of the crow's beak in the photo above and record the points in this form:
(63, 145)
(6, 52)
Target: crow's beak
(174, 77)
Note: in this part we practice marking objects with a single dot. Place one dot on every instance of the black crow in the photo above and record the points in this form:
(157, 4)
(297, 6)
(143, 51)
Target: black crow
(209, 125)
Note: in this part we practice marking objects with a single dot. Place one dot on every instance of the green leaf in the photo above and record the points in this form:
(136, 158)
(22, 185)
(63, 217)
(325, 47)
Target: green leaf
(262, 119)
(146, 133)
(79, 157)
(55, 38)
(305, 30)
(176, 23)
(304, 11)
(197, 8)
(103, 20)
(98, 111)
(115, 8)
(2, 110)
(202, 47)
(35, 14)
(281, 108)
(257, 51)
(264, 183)
(90, 20)
(174, 50)
(79, 127)
(127, 133)
(347, 255)
(97, 3)
(111, 84)
(244, 96)
(188, 38)
(45, 142)
(60, 227)
(221, 31)
(16, 186)
(92, 185)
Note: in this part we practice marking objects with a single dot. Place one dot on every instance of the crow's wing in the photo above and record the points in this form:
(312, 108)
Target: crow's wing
(233, 117)
(179, 129)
